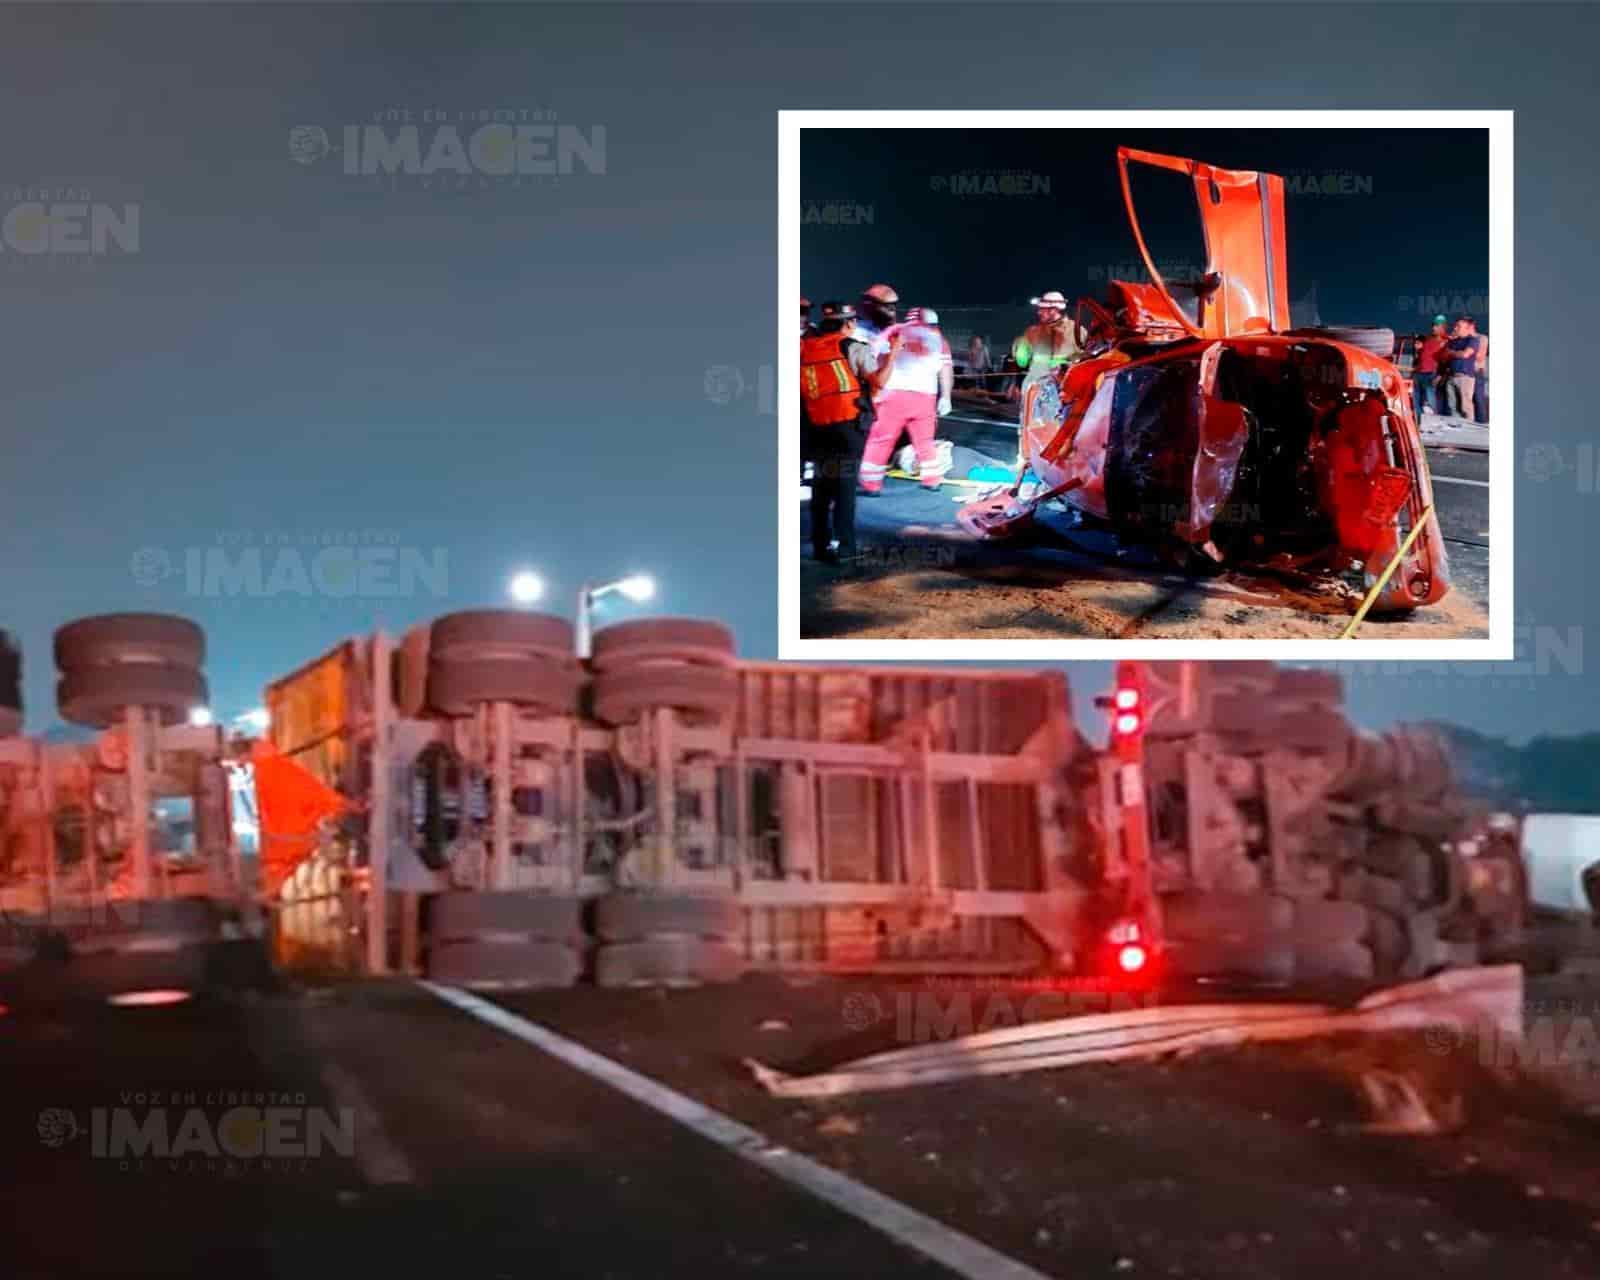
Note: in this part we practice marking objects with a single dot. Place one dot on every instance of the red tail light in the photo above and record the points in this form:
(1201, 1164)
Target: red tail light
(1132, 958)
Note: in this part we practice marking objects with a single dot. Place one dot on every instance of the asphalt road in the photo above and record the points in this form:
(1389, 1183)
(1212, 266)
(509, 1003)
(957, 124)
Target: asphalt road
(475, 1154)
(1080, 581)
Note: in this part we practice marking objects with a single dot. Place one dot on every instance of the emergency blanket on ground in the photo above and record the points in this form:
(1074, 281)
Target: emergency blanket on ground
(292, 804)
(1482, 1002)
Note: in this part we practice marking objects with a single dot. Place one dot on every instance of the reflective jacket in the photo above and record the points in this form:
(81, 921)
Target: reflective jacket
(829, 389)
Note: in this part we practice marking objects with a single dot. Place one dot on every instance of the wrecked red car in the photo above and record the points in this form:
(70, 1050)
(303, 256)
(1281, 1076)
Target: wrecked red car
(1201, 422)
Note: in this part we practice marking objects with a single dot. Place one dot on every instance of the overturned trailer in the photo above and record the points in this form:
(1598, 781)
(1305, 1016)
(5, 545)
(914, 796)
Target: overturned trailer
(667, 812)
(119, 850)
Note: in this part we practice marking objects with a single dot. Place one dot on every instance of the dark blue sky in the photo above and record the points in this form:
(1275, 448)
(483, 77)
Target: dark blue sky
(1379, 222)
(538, 373)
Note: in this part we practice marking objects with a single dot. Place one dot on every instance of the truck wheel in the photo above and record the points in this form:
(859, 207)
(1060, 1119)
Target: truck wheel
(1321, 961)
(502, 633)
(1264, 958)
(456, 686)
(504, 965)
(1319, 729)
(537, 917)
(1327, 922)
(1309, 686)
(622, 917)
(668, 961)
(623, 696)
(130, 637)
(97, 696)
(1202, 916)
(692, 640)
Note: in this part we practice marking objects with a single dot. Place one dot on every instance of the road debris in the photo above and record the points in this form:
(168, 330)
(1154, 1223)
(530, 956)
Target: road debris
(1487, 1001)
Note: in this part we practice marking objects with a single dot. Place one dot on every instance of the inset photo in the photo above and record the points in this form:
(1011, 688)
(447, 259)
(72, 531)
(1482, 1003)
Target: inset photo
(1119, 384)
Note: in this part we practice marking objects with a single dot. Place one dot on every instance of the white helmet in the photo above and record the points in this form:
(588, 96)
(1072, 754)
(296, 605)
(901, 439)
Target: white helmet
(1051, 299)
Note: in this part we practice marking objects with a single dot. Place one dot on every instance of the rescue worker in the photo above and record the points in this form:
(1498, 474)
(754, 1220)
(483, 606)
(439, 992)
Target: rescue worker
(875, 312)
(914, 375)
(1044, 347)
(807, 329)
(836, 371)
(1041, 349)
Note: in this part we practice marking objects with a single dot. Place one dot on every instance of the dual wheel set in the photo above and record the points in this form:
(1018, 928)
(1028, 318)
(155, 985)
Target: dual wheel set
(528, 660)
(491, 940)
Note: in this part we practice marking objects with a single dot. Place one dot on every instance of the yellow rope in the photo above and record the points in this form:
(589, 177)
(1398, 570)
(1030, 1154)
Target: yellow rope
(1349, 632)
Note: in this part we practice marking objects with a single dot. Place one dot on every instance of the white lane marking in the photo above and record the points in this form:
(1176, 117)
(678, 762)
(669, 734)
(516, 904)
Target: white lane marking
(945, 1245)
(1482, 484)
(381, 1162)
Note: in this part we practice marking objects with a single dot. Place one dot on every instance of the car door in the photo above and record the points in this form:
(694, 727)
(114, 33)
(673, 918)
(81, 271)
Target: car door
(1245, 288)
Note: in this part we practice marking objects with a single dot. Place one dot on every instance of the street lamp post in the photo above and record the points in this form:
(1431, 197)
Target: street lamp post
(638, 588)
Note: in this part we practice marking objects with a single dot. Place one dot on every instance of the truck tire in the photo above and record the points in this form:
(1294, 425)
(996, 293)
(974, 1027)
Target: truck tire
(691, 640)
(1323, 688)
(623, 696)
(535, 917)
(1318, 729)
(504, 965)
(1204, 916)
(1238, 713)
(456, 686)
(624, 917)
(1326, 922)
(666, 961)
(1264, 958)
(97, 696)
(1324, 961)
(502, 633)
(1371, 338)
(130, 637)
(10, 686)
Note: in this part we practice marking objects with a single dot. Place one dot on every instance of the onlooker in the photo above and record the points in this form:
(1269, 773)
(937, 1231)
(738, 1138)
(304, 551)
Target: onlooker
(1425, 377)
(1480, 375)
(1463, 353)
(979, 363)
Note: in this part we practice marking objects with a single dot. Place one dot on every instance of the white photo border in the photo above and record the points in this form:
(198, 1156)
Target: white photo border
(1497, 646)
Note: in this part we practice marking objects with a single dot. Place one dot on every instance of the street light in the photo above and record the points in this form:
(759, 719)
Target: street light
(637, 587)
(526, 587)
(256, 720)
(200, 717)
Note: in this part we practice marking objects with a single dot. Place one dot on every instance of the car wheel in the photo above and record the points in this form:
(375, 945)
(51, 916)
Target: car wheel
(130, 637)
(97, 696)
(622, 917)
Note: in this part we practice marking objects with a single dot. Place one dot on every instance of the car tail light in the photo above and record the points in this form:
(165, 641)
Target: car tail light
(1132, 958)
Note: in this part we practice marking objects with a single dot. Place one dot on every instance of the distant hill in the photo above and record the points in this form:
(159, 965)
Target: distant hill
(1544, 775)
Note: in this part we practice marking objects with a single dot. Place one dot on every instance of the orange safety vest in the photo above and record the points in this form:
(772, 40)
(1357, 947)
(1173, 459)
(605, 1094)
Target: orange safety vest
(829, 388)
